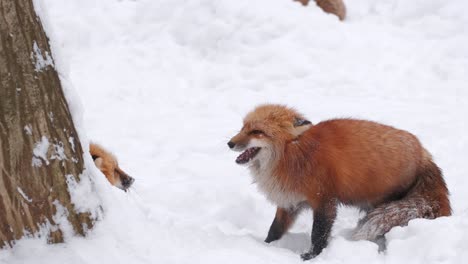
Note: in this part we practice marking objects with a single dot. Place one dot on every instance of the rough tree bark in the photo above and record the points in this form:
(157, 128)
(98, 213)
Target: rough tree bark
(39, 147)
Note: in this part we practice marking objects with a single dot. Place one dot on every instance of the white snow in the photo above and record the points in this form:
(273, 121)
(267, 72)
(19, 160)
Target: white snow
(79, 193)
(28, 129)
(71, 140)
(40, 152)
(59, 151)
(164, 85)
(40, 61)
(23, 194)
(60, 220)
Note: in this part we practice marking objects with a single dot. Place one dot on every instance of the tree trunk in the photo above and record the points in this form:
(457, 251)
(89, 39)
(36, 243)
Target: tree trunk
(39, 146)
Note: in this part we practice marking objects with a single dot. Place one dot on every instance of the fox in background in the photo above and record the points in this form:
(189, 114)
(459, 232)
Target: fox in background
(108, 165)
(336, 7)
(382, 170)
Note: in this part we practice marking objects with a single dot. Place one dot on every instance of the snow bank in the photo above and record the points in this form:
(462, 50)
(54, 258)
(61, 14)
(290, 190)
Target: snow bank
(165, 84)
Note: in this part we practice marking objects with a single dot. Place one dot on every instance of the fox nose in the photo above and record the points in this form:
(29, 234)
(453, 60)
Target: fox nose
(231, 144)
(127, 182)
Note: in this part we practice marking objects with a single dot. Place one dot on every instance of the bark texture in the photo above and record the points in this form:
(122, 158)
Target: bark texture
(39, 146)
(336, 7)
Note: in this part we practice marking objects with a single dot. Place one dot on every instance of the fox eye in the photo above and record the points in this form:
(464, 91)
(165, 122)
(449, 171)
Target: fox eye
(256, 132)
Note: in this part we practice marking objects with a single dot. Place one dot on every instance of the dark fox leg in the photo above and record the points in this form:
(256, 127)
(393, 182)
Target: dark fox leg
(324, 217)
(284, 218)
(381, 241)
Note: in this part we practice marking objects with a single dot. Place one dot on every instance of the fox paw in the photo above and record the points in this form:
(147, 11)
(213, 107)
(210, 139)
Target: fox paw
(270, 239)
(273, 236)
(308, 256)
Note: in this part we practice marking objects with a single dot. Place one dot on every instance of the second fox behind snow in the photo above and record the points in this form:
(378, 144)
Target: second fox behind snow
(384, 171)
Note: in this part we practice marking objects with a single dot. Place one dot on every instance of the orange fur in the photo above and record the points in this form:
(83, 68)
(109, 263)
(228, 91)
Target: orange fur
(108, 165)
(373, 166)
(336, 7)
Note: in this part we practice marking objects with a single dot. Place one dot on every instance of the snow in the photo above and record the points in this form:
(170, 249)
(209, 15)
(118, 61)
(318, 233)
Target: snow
(60, 219)
(40, 152)
(59, 152)
(71, 140)
(28, 129)
(80, 194)
(40, 61)
(23, 194)
(164, 85)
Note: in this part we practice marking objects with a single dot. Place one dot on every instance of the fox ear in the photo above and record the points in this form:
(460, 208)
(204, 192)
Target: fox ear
(301, 122)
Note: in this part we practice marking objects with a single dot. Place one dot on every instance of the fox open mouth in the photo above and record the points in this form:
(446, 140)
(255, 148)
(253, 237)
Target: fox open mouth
(247, 155)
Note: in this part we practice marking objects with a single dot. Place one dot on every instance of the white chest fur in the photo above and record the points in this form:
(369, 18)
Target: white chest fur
(273, 190)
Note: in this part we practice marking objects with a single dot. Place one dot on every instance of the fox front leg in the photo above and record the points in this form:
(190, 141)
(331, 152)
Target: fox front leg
(324, 218)
(284, 218)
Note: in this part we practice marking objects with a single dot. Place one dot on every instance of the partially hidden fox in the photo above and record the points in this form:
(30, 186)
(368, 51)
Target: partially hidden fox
(382, 170)
(336, 7)
(108, 165)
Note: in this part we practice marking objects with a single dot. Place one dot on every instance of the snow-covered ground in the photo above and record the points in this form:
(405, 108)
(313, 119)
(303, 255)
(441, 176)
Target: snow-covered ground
(164, 84)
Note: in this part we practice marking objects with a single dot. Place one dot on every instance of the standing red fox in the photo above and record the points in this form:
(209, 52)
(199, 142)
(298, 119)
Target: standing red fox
(382, 170)
(108, 165)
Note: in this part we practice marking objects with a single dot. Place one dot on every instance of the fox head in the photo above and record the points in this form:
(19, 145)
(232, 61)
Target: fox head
(266, 130)
(108, 165)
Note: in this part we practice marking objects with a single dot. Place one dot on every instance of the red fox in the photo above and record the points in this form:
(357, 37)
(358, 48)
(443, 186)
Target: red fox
(336, 7)
(382, 170)
(108, 165)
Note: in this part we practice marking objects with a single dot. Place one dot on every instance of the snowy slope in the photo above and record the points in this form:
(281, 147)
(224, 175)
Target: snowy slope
(164, 84)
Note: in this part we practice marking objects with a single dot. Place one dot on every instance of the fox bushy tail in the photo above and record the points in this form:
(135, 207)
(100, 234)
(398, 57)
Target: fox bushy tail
(428, 198)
